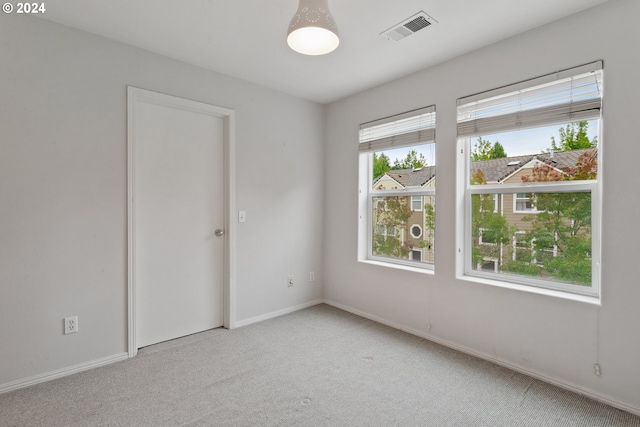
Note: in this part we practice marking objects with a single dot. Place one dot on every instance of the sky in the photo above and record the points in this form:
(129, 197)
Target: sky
(532, 141)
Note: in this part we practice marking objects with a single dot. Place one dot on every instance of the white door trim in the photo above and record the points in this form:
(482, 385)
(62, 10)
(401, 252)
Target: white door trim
(136, 96)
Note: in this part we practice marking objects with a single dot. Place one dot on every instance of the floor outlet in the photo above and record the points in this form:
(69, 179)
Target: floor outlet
(70, 325)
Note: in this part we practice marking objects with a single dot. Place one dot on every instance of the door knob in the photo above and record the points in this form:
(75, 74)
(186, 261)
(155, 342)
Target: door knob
(219, 233)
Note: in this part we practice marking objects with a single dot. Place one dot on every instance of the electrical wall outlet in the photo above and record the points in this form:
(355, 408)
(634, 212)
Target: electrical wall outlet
(70, 325)
(312, 276)
(290, 281)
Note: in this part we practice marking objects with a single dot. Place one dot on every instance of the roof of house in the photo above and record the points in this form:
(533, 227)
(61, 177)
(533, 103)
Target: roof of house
(411, 177)
(494, 170)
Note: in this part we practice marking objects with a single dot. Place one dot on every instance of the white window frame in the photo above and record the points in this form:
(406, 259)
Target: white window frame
(535, 254)
(591, 109)
(411, 231)
(481, 240)
(400, 136)
(531, 249)
(385, 231)
(413, 200)
(522, 211)
(515, 247)
(495, 204)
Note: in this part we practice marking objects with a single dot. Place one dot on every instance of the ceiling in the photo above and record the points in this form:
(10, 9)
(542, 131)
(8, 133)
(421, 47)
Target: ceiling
(246, 38)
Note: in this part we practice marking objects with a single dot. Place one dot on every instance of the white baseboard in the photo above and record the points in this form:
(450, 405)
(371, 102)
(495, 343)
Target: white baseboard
(36, 379)
(276, 313)
(542, 377)
(58, 373)
(15, 385)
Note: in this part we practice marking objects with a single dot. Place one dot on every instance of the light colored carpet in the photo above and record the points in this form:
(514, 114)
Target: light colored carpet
(316, 367)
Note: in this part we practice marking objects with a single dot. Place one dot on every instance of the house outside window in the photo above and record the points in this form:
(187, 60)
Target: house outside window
(532, 146)
(397, 189)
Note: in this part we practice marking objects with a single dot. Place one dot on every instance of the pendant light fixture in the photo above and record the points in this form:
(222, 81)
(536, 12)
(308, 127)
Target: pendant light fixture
(312, 30)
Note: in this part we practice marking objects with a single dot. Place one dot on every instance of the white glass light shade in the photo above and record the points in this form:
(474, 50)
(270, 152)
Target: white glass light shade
(312, 30)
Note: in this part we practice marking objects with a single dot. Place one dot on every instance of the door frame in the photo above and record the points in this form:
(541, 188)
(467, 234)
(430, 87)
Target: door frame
(136, 96)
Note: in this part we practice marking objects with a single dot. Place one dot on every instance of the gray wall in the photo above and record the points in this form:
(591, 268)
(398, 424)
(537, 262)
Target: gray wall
(548, 336)
(63, 206)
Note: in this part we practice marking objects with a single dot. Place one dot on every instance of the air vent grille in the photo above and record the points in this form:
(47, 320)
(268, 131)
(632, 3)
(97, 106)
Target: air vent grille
(417, 24)
(409, 26)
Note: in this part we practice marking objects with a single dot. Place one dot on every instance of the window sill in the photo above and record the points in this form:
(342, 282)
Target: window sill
(595, 300)
(424, 270)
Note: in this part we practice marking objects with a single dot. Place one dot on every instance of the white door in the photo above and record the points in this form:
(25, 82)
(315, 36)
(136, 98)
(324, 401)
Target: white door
(178, 193)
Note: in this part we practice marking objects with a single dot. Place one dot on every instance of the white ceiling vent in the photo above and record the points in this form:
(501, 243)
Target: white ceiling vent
(409, 26)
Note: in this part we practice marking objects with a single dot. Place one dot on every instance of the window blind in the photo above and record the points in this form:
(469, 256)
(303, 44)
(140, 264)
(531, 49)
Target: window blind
(567, 96)
(410, 128)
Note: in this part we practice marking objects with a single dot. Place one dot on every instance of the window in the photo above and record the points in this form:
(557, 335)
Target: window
(522, 203)
(489, 203)
(488, 265)
(522, 248)
(531, 191)
(487, 236)
(397, 189)
(386, 230)
(496, 197)
(416, 203)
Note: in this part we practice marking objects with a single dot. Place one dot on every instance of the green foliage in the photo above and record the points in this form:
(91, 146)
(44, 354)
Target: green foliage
(380, 164)
(563, 223)
(490, 226)
(574, 265)
(390, 246)
(429, 226)
(521, 267)
(413, 160)
(497, 152)
(483, 150)
(391, 213)
(573, 137)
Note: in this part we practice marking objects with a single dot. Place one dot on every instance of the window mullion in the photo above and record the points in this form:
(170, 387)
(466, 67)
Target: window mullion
(534, 187)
